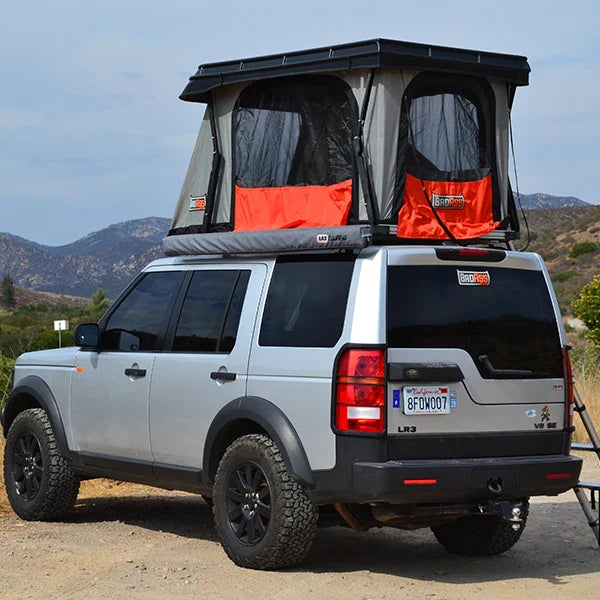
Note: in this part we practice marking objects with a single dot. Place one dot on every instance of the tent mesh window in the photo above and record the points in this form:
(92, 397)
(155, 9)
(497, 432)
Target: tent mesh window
(446, 134)
(446, 146)
(293, 155)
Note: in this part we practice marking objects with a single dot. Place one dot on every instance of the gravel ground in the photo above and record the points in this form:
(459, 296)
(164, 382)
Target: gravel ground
(130, 541)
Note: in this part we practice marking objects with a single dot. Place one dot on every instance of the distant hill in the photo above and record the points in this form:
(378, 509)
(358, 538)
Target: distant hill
(106, 259)
(24, 296)
(111, 257)
(539, 201)
(554, 233)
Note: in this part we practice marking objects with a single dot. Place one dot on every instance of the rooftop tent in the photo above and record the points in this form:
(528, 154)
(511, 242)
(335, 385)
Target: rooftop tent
(336, 146)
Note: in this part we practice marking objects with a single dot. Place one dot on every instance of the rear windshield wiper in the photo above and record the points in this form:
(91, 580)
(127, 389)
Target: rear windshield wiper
(485, 361)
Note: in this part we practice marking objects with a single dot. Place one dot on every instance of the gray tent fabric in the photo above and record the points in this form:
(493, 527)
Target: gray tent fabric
(195, 184)
(381, 139)
(502, 141)
(271, 240)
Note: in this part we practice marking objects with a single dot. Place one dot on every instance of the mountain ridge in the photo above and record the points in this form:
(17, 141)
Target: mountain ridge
(546, 201)
(108, 258)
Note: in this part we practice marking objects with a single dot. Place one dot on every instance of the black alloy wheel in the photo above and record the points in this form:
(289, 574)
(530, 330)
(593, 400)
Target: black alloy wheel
(39, 481)
(27, 466)
(264, 518)
(249, 503)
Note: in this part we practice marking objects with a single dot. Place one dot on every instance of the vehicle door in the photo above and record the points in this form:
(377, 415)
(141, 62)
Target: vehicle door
(205, 362)
(110, 391)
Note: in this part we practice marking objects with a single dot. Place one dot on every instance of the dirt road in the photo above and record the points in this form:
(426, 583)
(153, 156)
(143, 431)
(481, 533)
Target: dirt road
(127, 541)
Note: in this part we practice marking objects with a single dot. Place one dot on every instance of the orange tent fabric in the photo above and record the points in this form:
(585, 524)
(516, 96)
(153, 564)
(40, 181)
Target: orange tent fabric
(465, 207)
(292, 206)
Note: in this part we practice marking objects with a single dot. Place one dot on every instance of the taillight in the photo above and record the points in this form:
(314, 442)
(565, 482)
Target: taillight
(360, 391)
(470, 254)
(569, 406)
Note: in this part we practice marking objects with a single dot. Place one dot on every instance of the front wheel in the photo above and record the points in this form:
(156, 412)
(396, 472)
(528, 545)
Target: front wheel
(264, 519)
(484, 535)
(39, 482)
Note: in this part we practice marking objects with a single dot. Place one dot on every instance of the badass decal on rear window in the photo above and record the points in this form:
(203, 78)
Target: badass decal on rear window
(480, 278)
(445, 202)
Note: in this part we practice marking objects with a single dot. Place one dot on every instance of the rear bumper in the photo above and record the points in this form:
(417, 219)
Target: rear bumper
(452, 480)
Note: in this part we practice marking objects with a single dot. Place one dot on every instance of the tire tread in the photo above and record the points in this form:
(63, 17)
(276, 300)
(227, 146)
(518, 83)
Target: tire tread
(293, 539)
(58, 492)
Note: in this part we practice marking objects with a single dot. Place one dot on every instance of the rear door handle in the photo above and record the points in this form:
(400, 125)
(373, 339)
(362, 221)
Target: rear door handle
(135, 372)
(223, 376)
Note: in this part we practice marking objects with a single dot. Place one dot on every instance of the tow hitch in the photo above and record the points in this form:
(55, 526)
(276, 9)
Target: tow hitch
(507, 510)
(426, 515)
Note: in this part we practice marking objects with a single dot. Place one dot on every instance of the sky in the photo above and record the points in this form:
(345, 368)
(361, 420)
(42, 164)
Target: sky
(92, 131)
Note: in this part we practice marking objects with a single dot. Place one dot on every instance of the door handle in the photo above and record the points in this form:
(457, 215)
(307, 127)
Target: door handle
(223, 376)
(135, 372)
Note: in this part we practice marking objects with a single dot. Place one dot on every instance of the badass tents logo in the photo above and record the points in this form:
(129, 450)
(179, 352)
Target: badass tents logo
(448, 202)
(481, 278)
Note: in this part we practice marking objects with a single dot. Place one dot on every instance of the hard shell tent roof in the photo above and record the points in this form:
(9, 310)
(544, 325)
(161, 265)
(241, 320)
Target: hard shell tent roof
(349, 141)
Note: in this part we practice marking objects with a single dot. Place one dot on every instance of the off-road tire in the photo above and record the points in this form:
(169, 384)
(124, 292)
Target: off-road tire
(292, 523)
(53, 487)
(484, 535)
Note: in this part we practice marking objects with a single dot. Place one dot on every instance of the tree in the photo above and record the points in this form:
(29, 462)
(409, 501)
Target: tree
(7, 293)
(99, 305)
(587, 308)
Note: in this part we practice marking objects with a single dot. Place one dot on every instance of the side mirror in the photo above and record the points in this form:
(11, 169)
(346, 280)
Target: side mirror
(87, 335)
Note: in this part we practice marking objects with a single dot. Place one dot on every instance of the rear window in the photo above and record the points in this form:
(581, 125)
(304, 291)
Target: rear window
(510, 320)
(306, 303)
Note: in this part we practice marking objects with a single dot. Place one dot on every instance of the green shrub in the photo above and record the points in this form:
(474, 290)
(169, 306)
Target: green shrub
(587, 308)
(582, 248)
(6, 365)
(563, 276)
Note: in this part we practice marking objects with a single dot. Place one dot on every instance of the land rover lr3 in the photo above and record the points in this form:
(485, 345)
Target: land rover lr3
(401, 386)
(343, 332)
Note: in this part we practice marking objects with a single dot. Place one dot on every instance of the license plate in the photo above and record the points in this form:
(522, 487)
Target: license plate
(426, 400)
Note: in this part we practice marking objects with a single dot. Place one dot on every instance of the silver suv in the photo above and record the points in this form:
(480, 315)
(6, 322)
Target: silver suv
(400, 386)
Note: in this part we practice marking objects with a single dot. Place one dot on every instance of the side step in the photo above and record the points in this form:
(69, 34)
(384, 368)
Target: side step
(593, 504)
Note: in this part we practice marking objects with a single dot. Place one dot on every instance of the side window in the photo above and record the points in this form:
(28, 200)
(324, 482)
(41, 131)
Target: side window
(211, 311)
(306, 303)
(139, 321)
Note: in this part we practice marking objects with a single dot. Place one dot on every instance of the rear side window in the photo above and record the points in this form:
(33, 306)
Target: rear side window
(510, 320)
(211, 311)
(306, 303)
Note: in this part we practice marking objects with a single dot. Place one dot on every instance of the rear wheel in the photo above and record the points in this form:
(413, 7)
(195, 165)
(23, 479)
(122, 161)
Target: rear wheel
(484, 535)
(39, 482)
(264, 519)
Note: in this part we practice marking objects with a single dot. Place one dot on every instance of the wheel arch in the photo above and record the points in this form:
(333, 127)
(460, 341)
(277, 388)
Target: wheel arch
(33, 392)
(252, 414)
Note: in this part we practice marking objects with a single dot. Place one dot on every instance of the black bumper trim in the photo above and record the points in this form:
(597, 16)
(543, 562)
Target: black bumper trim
(456, 480)
(409, 446)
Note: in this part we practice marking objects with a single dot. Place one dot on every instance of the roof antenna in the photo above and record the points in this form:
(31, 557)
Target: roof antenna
(512, 149)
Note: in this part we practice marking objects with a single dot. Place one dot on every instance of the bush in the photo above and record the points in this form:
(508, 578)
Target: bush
(582, 248)
(563, 276)
(6, 366)
(587, 308)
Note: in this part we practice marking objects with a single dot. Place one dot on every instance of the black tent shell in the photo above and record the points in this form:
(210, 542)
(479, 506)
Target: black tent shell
(254, 105)
(369, 54)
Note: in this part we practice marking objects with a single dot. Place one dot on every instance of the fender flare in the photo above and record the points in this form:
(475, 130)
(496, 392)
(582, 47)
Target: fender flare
(36, 388)
(277, 426)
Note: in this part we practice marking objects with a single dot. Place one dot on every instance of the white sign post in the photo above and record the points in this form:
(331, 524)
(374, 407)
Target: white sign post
(60, 326)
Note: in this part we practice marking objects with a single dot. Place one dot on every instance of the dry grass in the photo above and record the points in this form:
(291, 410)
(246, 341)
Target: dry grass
(588, 386)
